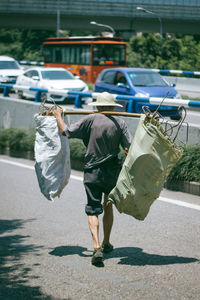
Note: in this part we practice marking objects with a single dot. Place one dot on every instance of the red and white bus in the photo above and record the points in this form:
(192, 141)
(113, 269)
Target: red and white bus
(85, 56)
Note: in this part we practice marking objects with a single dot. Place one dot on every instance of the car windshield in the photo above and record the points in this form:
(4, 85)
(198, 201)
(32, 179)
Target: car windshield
(9, 65)
(146, 79)
(56, 75)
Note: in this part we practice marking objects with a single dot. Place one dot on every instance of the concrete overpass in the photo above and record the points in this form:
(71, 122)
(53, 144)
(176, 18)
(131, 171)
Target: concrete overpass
(178, 16)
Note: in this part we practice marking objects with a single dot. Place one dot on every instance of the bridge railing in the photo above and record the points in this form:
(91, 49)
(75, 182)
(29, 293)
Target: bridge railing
(132, 100)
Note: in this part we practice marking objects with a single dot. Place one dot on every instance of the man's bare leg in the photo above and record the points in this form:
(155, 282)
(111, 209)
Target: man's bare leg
(107, 220)
(93, 222)
(97, 256)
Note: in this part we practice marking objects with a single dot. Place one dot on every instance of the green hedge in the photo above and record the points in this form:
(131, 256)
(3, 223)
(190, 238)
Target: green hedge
(77, 149)
(18, 140)
(188, 168)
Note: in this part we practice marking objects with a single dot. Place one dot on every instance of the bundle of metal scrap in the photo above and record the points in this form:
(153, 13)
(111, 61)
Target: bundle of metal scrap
(151, 156)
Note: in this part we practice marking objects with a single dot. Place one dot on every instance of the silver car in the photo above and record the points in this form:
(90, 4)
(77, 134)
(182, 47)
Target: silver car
(55, 80)
(9, 69)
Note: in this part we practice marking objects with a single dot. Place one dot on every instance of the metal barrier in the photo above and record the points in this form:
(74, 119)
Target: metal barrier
(79, 95)
(31, 63)
(179, 72)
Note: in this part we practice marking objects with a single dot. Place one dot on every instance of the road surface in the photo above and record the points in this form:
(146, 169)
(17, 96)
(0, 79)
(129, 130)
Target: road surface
(45, 247)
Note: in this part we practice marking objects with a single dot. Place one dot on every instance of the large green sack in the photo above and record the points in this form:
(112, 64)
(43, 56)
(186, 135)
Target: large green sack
(148, 163)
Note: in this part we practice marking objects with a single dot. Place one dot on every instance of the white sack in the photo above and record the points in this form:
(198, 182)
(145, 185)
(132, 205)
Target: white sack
(52, 156)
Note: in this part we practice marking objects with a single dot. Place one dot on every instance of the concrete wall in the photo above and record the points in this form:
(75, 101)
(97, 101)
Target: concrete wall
(16, 113)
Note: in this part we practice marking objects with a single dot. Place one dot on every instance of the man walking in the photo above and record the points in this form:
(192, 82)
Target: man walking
(102, 136)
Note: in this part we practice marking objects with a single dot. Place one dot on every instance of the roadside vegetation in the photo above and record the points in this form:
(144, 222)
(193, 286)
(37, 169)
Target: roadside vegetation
(177, 52)
(23, 44)
(20, 142)
(180, 52)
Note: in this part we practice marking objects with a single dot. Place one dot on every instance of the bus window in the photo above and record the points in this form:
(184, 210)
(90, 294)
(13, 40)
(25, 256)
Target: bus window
(66, 58)
(77, 56)
(85, 55)
(71, 55)
(108, 54)
(48, 54)
(58, 54)
(63, 55)
(119, 54)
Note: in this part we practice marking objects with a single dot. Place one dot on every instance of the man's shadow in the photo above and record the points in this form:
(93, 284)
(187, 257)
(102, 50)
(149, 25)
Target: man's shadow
(69, 250)
(128, 256)
(136, 257)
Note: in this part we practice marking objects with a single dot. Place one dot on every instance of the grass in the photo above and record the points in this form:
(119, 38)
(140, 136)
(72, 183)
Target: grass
(185, 97)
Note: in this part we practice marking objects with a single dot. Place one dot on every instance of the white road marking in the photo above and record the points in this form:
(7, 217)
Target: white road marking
(180, 203)
(163, 199)
(32, 168)
(16, 164)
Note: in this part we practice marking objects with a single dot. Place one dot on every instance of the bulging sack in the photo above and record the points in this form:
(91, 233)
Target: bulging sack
(148, 163)
(52, 157)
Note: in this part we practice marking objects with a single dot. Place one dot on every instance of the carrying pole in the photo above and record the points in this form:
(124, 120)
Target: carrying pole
(113, 113)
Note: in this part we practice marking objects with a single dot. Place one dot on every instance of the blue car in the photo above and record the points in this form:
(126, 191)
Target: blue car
(139, 83)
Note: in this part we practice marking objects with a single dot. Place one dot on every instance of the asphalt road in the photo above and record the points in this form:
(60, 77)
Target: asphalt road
(45, 247)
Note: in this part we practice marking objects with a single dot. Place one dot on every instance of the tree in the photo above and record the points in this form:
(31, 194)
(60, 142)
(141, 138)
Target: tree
(23, 44)
(149, 51)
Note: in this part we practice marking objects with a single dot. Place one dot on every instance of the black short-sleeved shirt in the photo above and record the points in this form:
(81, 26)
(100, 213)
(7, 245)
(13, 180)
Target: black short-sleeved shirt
(102, 136)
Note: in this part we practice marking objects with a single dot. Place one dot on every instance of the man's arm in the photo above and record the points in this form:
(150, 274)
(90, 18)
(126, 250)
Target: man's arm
(58, 115)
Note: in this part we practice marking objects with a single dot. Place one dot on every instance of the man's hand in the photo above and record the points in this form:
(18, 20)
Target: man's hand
(126, 151)
(58, 115)
(57, 112)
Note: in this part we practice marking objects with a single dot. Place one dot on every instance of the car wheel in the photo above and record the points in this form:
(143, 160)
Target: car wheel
(175, 118)
(20, 94)
(178, 116)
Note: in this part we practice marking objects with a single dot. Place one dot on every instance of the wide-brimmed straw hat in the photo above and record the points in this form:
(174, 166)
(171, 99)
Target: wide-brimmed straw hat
(105, 99)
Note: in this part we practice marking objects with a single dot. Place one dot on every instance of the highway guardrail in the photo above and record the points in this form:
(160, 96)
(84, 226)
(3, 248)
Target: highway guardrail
(79, 95)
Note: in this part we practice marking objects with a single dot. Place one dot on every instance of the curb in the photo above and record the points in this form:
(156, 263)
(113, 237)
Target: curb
(185, 187)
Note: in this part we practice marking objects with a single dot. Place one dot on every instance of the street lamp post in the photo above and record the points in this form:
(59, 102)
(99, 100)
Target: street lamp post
(58, 22)
(109, 27)
(152, 13)
(58, 18)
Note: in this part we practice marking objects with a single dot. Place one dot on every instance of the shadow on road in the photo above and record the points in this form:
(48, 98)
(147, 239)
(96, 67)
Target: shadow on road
(127, 255)
(69, 250)
(14, 275)
(136, 257)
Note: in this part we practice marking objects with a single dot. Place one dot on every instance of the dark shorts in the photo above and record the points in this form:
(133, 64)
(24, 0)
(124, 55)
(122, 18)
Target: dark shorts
(99, 180)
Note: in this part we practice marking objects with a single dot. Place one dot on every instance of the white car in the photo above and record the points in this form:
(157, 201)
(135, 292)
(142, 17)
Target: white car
(51, 79)
(9, 70)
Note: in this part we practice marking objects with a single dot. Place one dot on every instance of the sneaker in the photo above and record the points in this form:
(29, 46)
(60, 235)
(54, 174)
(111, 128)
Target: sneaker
(106, 248)
(97, 257)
